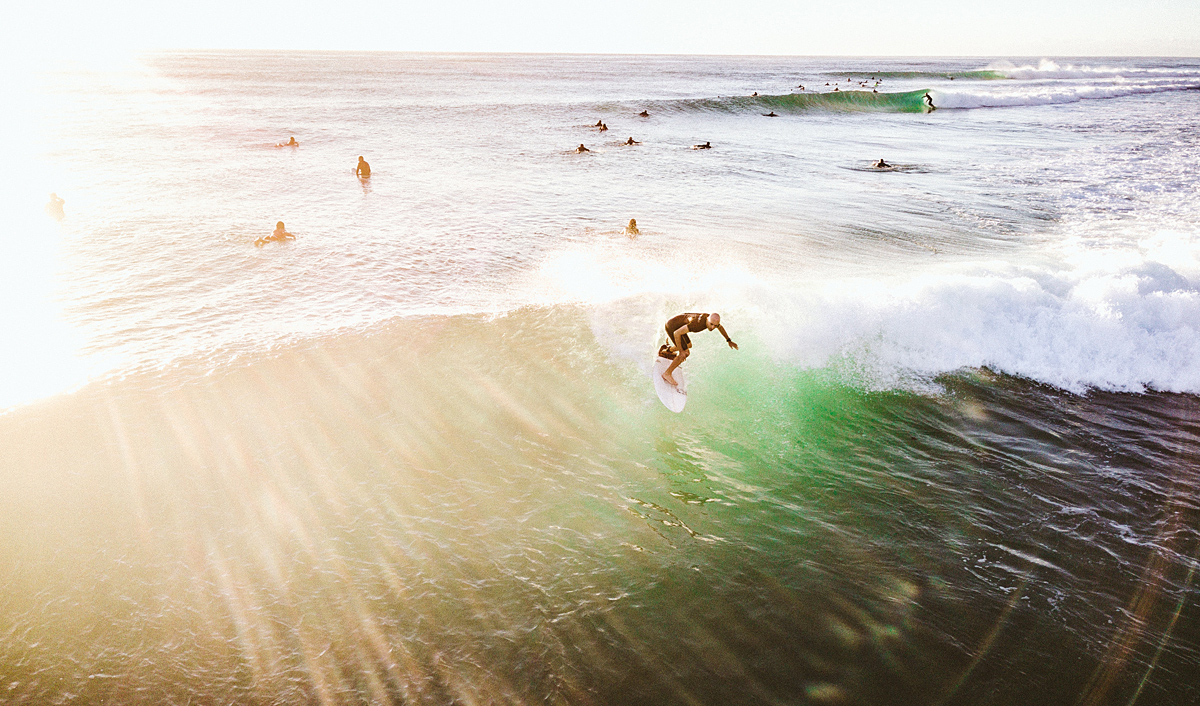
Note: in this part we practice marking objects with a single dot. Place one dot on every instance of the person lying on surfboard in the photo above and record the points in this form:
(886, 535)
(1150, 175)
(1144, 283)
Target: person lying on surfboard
(278, 235)
(678, 329)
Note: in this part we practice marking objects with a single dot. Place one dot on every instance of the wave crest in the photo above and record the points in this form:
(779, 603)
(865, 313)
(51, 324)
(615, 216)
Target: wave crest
(1114, 317)
(1047, 69)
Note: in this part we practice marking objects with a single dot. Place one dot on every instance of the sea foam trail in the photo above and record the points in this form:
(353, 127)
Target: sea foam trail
(1078, 318)
(1050, 94)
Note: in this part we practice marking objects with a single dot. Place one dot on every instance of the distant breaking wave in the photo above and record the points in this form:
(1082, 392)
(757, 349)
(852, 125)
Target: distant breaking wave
(839, 101)
(977, 75)
(913, 101)
(998, 85)
(1047, 69)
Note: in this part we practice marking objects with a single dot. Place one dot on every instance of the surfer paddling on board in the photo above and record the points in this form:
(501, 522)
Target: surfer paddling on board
(278, 235)
(678, 342)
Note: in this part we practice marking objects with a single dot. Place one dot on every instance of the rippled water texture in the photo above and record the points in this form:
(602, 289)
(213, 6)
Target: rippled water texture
(414, 456)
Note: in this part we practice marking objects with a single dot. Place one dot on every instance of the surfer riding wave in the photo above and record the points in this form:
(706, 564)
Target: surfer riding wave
(678, 342)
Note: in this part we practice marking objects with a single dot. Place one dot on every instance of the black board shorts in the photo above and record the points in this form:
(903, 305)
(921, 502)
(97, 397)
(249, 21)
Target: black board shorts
(687, 342)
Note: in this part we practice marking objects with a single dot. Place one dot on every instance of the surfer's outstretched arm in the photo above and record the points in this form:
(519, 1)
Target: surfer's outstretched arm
(727, 338)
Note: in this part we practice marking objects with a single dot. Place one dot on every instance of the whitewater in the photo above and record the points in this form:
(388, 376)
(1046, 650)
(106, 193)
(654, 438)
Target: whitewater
(415, 455)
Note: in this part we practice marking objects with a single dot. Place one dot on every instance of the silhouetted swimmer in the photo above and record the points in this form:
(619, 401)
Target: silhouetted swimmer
(278, 235)
(705, 146)
(881, 164)
(929, 102)
(603, 127)
(632, 230)
(363, 170)
(599, 123)
(754, 95)
(290, 143)
(54, 209)
(643, 114)
(581, 149)
(770, 115)
(632, 141)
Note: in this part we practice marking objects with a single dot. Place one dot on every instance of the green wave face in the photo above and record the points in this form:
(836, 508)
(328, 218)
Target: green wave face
(908, 102)
(839, 101)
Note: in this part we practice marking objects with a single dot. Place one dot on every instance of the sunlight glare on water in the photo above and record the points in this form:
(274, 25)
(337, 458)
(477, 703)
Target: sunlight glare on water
(415, 454)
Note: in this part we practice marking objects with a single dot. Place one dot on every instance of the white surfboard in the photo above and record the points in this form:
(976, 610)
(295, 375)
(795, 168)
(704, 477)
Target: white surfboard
(673, 398)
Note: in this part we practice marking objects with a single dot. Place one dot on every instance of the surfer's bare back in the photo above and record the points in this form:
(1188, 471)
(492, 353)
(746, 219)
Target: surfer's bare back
(678, 342)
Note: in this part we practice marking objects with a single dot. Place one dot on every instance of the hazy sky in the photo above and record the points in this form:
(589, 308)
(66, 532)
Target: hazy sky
(849, 27)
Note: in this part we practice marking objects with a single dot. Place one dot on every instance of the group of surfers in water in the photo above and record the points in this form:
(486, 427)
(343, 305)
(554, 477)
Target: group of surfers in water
(679, 343)
(280, 234)
(677, 348)
(644, 114)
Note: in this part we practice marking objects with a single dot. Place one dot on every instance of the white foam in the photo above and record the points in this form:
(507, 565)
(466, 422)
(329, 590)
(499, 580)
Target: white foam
(1049, 83)
(1047, 69)
(1050, 94)
(1120, 317)
(1117, 320)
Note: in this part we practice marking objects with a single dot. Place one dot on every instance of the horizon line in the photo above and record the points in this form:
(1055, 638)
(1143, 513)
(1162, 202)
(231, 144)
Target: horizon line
(146, 50)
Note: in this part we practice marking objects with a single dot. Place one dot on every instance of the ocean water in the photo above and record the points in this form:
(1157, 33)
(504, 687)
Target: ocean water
(415, 456)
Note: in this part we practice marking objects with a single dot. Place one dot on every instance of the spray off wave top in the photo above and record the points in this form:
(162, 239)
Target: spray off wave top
(1078, 316)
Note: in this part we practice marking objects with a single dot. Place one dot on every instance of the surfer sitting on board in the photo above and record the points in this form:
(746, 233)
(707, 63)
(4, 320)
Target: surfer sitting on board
(678, 342)
(363, 170)
(54, 209)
